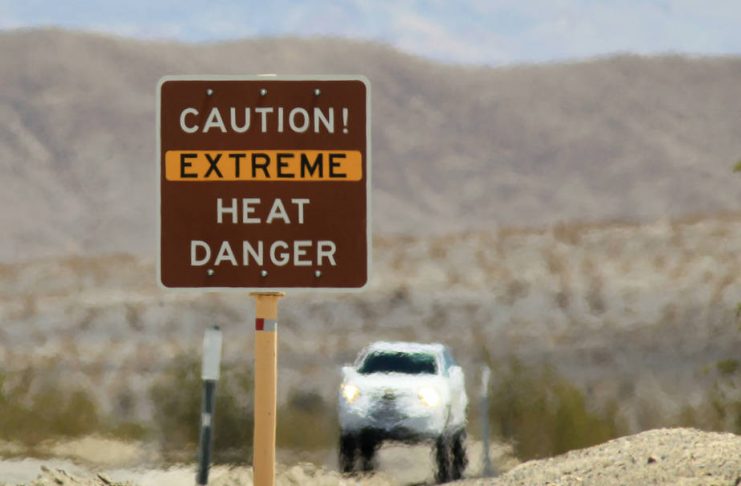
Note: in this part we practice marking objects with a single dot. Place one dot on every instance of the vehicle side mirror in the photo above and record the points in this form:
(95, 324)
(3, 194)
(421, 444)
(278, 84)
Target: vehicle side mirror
(348, 370)
(456, 371)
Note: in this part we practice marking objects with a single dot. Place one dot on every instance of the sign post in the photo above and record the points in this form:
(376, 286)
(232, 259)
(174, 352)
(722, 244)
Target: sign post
(266, 386)
(264, 184)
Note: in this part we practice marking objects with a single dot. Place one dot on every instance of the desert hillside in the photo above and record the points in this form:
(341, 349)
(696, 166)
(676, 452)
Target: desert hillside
(454, 147)
(636, 313)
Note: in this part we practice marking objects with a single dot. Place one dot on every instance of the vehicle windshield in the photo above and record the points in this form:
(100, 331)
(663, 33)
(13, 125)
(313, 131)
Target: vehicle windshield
(398, 362)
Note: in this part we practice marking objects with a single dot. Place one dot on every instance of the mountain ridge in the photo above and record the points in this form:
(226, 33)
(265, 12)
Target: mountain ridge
(455, 147)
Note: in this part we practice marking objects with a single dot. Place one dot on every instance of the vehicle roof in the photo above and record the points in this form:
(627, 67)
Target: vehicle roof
(405, 347)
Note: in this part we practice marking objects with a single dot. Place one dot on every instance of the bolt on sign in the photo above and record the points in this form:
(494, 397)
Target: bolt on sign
(264, 181)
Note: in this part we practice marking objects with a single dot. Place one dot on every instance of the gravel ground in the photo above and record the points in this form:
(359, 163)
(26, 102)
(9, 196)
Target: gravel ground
(82, 465)
(658, 457)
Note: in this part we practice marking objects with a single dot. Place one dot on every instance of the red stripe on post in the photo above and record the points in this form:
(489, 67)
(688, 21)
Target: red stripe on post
(259, 324)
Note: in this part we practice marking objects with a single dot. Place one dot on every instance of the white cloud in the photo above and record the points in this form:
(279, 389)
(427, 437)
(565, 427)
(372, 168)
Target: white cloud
(415, 33)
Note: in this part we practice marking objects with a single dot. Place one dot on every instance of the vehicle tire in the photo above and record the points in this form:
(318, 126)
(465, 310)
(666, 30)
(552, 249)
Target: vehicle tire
(348, 446)
(459, 460)
(369, 444)
(442, 459)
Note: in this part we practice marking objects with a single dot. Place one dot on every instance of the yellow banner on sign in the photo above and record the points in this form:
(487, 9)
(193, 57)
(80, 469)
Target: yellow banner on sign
(263, 165)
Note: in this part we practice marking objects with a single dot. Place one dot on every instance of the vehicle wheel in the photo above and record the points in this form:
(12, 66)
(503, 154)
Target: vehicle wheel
(348, 446)
(458, 452)
(369, 444)
(442, 459)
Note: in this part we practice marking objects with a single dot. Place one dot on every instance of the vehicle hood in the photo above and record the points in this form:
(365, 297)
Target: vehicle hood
(398, 383)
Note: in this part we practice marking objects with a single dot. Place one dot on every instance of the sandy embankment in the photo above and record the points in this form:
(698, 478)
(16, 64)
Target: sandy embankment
(662, 457)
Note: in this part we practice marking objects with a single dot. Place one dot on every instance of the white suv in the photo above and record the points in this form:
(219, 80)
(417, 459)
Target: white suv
(405, 392)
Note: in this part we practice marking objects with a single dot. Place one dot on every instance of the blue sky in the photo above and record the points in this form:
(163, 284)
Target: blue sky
(491, 32)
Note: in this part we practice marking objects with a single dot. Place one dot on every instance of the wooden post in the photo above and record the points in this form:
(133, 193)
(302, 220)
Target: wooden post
(266, 386)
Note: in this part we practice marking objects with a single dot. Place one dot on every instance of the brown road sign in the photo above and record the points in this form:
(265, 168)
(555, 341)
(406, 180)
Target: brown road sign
(264, 181)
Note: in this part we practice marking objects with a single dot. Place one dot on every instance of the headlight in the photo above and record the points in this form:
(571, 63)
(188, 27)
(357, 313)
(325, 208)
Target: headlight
(350, 392)
(429, 396)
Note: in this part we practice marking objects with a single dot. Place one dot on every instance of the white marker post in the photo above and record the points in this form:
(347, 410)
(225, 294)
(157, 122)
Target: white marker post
(487, 470)
(210, 375)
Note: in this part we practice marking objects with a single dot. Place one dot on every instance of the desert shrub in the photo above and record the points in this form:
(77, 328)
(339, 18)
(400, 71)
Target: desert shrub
(515, 289)
(307, 422)
(542, 413)
(176, 397)
(725, 395)
(126, 430)
(728, 367)
(35, 407)
(721, 406)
